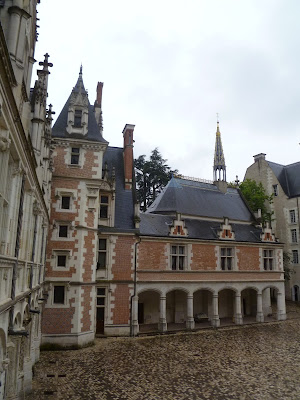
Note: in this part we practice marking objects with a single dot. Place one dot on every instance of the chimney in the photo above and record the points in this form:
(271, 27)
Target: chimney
(260, 156)
(128, 154)
(98, 106)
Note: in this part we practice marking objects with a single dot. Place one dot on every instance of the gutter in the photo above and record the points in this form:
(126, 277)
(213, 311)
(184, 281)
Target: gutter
(134, 285)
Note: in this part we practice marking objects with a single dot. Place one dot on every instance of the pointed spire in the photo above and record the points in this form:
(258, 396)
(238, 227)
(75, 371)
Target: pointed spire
(79, 87)
(219, 159)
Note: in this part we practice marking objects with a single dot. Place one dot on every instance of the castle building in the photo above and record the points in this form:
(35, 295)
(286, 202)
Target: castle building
(110, 270)
(283, 182)
(25, 175)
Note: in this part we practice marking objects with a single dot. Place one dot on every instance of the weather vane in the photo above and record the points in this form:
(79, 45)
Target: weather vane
(217, 117)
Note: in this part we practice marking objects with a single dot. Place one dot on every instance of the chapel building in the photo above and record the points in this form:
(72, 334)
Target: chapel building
(25, 177)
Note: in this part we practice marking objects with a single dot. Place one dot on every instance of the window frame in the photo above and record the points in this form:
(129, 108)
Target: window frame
(294, 236)
(292, 216)
(295, 257)
(226, 257)
(177, 256)
(275, 190)
(68, 231)
(268, 257)
(69, 196)
(77, 122)
(102, 251)
(75, 154)
(104, 205)
(56, 303)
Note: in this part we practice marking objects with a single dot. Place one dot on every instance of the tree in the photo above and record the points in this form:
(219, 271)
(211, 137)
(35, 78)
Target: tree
(151, 177)
(257, 198)
(287, 269)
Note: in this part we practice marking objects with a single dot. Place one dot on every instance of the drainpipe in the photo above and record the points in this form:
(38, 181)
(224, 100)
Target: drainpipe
(134, 285)
(17, 248)
(33, 250)
(42, 250)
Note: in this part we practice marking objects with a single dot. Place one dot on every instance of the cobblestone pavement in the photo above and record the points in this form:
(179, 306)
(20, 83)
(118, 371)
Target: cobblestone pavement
(251, 362)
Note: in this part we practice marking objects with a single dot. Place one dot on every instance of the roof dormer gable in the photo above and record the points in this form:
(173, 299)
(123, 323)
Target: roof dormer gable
(226, 232)
(178, 228)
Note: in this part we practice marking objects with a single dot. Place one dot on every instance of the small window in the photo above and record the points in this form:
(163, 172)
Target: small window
(294, 235)
(63, 231)
(178, 258)
(295, 257)
(226, 259)
(102, 251)
(61, 260)
(65, 202)
(292, 216)
(59, 295)
(78, 118)
(103, 206)
(75, 152)
(275, 190)
(268, 260)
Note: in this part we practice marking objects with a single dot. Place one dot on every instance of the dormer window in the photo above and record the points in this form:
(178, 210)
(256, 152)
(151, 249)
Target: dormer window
(78, 118)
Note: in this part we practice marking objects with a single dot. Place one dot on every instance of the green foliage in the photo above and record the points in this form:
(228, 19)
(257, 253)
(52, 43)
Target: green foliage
(257, 198)
(151, 177)
(288, 270)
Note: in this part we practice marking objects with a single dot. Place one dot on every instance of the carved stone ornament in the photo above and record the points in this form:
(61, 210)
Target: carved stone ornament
(4, 143)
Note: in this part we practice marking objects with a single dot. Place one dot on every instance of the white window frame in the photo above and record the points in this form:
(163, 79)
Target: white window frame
(293, 216)
(75, 154)
(179, 256)
(294, 236)
(64, 304)
(295, 257)
(101, 251)
(226, 257)
(56, 253)
(268, 257)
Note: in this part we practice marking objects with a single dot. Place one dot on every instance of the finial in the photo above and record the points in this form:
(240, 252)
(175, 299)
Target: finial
(237, 181)
(80, 71)
(45, 63)
(217, 118)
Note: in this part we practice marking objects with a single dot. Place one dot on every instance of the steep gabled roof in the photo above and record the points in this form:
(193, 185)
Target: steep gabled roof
(288, 177)
(59, 128)
(200, 199)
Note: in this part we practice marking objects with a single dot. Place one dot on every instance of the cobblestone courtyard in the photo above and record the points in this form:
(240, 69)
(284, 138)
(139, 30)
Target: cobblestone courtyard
(250, 362)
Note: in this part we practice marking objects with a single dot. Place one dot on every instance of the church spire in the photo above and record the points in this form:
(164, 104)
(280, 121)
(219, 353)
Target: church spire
(219, 159)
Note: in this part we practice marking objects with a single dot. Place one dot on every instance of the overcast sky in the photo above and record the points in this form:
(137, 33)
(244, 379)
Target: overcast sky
(169, 66)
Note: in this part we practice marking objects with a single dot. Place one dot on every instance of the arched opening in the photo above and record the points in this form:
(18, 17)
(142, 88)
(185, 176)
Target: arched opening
(249, 304)
(176, 310)
(226, 306)
(203, 308)
(295, 293)
(148, 311)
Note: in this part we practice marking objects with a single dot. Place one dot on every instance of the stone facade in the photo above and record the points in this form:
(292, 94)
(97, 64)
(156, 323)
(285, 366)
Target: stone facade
(276, 179)
(25, 175)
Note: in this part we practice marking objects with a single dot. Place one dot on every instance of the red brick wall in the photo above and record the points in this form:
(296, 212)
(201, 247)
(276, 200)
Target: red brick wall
(152, 255)
(121, 310)
(248, 258)
(86, 304)
(123, 260)
(203, 257)
(87, 160)
(58, 320)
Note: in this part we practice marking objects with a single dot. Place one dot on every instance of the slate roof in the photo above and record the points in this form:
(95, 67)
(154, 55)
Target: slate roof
(158, 225)
(124, 201)
(201, 200)
(59, 128)
(288, 177)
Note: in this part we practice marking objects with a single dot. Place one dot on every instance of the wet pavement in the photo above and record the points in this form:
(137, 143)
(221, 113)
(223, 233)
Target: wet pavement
(260, 361)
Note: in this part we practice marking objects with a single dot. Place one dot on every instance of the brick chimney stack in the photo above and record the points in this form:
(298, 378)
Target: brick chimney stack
(98, 106)
(128, 154)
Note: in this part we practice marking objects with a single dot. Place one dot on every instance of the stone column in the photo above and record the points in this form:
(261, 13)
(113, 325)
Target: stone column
(259, 313)
(162, 325)
(238, 309)
(135, 322)
(281, 312)
(215, 319)
(190, 323)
